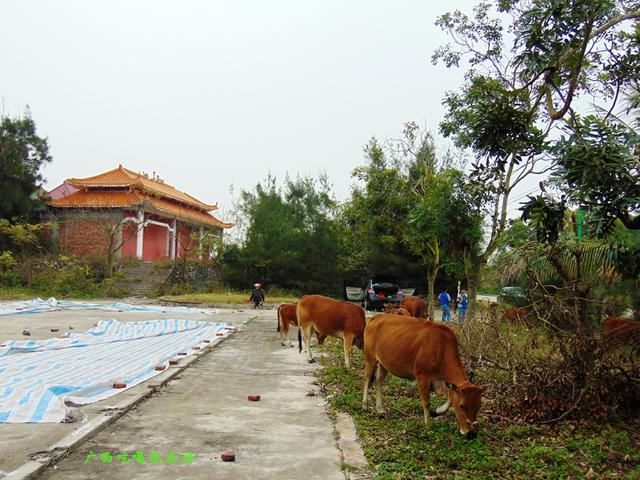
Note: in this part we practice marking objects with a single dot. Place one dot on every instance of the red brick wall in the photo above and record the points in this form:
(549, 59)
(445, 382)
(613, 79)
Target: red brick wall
(78, 236)
(83, 237)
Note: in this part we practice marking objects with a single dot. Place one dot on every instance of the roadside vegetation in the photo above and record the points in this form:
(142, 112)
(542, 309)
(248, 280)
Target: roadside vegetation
(398, 446)
(233, 297)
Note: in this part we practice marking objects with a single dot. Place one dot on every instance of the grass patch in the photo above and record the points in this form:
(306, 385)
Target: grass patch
(231, 297)
(16, 293)
(398, 446)
(24, 293)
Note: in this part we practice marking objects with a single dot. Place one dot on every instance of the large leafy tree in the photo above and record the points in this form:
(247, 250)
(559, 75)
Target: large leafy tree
(517, 97)
(410, 214)
(373, 220)
(291, 237)
(22, 155)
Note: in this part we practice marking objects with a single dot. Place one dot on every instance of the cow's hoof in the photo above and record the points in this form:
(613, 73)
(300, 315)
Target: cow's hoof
(283, 344)
(312, 360)
(291, 345)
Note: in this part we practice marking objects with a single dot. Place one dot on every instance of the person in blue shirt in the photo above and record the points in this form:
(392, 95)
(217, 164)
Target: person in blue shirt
(445, 300)
(462, 306)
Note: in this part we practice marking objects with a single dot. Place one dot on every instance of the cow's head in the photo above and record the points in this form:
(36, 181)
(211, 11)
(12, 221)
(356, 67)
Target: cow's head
(466, 403)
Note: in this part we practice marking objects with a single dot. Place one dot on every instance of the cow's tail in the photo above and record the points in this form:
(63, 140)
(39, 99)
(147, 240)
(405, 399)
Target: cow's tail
(278, 316)
(373, 375)
(299, 338)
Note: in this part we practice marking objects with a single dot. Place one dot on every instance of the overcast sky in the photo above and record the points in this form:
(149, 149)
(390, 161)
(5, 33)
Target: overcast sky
(214, 94)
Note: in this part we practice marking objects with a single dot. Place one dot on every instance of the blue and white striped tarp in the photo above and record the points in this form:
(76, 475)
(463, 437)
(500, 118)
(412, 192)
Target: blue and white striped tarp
(37, 377)
(38, 305)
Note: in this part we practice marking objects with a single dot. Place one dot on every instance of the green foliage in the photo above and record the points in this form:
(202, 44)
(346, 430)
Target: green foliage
(287, 228)
(545, 216)
(23, 238)
(509, 108)
(7, 261)
(493, 120)
(374, 219)
(22, 154)
(598, 162)
(73, 278)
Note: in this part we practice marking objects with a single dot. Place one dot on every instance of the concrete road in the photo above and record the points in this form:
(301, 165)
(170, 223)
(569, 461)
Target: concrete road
(184, 429)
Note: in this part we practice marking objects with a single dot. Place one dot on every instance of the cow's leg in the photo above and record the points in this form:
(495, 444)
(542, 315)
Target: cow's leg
(382, 374)
(440, 388)
(284, 332)
(289, 338)
(347, 340)
(423, 387)
(369, 367)
(306, 338)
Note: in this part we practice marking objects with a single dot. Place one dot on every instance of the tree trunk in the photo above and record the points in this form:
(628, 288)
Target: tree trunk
(431, 282)
(110, 254)
(473, 275)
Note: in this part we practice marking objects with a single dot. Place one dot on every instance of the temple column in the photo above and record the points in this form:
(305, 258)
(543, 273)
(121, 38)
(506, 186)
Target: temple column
(140, 235)
(200, 246)
(172, 240)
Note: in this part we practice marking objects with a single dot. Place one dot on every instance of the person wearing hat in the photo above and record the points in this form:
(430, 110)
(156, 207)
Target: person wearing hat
(257, 295)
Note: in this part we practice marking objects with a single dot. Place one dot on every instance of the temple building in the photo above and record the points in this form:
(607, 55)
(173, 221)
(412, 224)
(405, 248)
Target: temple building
(131, 215)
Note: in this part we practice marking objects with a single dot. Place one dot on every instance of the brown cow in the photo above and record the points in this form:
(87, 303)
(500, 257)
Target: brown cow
(516, 314)
(396, 309)
(426, 351)
(415, 305)
(621, 330)
(286, 316)
(330, 317)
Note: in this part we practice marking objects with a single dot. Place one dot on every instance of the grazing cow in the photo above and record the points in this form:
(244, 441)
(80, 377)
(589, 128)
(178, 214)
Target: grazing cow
(426, 351)
(621, 330)
(415, 305)
(516, 314)
(396, 309)
(330, 317)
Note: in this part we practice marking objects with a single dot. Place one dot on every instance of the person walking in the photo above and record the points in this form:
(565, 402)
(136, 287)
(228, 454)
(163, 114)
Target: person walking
(257, 295)
(462, 306)
(445, 300)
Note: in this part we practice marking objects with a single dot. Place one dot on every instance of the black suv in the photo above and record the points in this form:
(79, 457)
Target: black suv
(381, 290)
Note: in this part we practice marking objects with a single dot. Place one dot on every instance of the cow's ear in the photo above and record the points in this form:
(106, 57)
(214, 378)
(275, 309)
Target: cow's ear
(451, 386)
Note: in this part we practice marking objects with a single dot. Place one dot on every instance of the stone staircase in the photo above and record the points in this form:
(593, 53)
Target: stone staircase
(144, 279)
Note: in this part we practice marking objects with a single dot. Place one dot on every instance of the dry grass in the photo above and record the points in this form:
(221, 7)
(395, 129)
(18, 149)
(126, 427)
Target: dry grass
(228, 297)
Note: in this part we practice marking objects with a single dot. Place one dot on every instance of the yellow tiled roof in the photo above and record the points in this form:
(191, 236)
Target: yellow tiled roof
(123, 177)
(121, 199)
(99, 199)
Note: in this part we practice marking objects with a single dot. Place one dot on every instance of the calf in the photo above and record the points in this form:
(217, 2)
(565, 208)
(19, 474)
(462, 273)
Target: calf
(516, 314)
(286, 316)
(425, 351)
(621, 330)
(396, 309)
(415, 306)
(330, 317)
